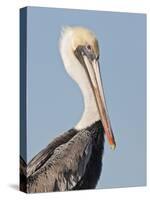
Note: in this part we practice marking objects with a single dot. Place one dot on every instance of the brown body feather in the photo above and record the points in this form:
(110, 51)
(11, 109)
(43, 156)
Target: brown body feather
(72, 161)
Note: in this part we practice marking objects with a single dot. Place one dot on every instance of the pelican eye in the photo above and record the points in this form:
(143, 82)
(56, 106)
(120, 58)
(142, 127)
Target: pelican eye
(89, 47)
(89, 52)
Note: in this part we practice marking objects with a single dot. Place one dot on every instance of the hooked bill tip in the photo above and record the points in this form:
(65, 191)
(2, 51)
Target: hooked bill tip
(112, 146)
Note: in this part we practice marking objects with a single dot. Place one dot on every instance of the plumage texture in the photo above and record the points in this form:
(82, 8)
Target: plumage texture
(72, 161)
(80, 36)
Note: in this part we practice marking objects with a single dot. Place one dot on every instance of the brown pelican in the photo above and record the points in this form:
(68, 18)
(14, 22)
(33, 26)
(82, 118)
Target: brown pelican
(74, 159)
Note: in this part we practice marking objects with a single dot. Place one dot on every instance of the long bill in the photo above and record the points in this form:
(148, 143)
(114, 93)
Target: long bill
(93, 72)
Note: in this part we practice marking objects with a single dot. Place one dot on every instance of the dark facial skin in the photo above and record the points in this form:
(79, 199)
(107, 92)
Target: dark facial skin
(85, 50)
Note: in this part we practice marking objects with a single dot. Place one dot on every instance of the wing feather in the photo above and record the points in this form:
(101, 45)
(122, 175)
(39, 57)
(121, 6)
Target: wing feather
(66, 166)
(40, 159)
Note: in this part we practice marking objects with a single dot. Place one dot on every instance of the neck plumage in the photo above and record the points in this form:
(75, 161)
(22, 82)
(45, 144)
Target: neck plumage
(90, 114)
(78, 74)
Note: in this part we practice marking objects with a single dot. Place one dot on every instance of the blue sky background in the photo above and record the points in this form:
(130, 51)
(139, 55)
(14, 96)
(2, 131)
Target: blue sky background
(55, 103)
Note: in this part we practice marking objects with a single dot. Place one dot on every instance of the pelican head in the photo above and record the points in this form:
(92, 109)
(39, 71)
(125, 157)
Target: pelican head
(80, 53)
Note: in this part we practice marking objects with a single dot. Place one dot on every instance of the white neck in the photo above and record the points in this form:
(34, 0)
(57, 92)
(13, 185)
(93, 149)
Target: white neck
(77, 73)
(90, 114)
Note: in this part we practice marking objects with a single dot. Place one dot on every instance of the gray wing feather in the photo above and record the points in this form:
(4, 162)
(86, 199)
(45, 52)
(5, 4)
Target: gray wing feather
(63, 170)
(39, 160)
